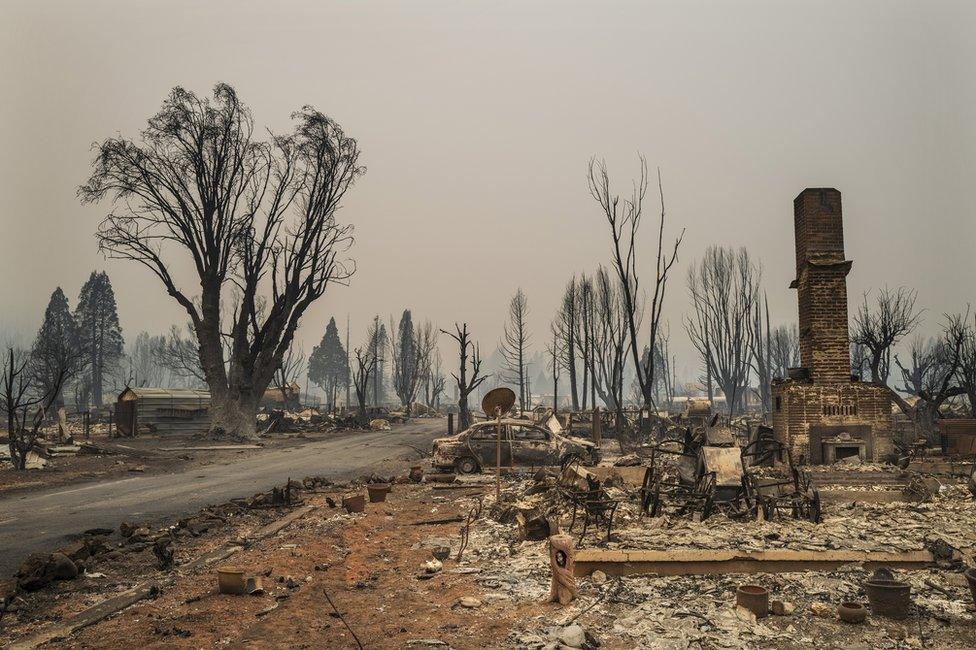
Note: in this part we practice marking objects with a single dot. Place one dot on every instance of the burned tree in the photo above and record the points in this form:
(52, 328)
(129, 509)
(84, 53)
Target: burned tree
(57, 355)
(286, 377)
(664, 361)
(723, 289)
(142, 366)
(583, 332)
(514, 342)
(555, 363)
(785, 342)
(179, 354)
(932, 374)
(410, 351)
(564, 330)
(467, 350)
(967, 367)
(609, 342)
(365, 366)
(880, 330)
(761, 352)
(255, 219)
(30, 387)
(624, 218)
(377, 342)
(99, 332)
(328, 365)
(434, 381)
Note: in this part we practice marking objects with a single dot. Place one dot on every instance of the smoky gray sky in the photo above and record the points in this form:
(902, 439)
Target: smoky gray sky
(476, 120)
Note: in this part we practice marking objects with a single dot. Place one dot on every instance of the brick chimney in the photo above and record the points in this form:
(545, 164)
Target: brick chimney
(821, 281)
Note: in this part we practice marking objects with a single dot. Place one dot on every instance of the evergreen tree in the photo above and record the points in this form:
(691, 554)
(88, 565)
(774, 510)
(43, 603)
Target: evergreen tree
(99, 332)
(56, 357)
(405, 360)
(328, 365)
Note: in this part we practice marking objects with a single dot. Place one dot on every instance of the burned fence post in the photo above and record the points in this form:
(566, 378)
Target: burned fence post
(597, 427)
(450, 425)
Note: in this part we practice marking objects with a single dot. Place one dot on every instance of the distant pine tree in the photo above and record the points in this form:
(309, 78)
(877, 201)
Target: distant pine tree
(55, 355)
(328, 365)
(99, 332)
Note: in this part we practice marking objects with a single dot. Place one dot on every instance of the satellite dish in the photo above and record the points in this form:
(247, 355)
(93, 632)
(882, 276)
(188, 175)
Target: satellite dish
(503, 398)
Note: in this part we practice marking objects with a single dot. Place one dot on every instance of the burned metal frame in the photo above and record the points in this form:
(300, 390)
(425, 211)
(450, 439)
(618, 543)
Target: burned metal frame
(695, 495)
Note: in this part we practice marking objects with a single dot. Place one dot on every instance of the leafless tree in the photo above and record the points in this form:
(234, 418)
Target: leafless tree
(434, 381)
(467, 350)
(610, 338)
(785, 349)
(142, 364)
(932, 374)
(624, 217)
(293, 366)
(378, 342)
(880, 330)
(25, 400)
(564, 330)
(515, 340)
(724, 289)
(761, 352)
(664, 380)
(365, 366)
(555, 363)
(256, 219)
(410, 352)
(967, 367)
(583, 331)
(179, 354)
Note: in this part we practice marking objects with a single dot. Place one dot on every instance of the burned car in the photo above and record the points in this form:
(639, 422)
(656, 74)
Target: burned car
(524, 443)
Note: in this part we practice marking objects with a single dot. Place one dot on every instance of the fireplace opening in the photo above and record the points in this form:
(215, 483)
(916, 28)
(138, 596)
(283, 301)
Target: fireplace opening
(840, 453)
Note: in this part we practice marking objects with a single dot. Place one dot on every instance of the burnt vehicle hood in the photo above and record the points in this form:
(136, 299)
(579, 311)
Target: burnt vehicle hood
(579, 441)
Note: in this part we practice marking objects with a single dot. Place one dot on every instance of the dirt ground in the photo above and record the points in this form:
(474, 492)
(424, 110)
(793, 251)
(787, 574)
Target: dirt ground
(368, 564)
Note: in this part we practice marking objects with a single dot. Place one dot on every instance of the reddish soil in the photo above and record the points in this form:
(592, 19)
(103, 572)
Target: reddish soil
(367, 565)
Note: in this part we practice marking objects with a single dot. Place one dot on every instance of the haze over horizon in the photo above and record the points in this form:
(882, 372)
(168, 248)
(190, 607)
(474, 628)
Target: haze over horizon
(476, 129)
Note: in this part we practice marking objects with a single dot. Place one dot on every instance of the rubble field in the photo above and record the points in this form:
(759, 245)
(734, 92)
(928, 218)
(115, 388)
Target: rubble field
(337, 580)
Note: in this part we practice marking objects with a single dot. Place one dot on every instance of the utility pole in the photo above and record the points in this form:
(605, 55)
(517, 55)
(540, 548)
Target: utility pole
(376, 358)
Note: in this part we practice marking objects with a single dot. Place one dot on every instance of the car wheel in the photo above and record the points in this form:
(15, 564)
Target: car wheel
(466, 465)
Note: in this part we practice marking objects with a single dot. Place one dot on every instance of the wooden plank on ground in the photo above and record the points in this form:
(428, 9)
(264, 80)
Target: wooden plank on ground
(841, 495)
(212, 448)
(705, 561)
(128, 598)
(87, 617)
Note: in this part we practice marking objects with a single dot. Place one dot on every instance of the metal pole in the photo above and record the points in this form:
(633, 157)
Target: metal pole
(498, 454)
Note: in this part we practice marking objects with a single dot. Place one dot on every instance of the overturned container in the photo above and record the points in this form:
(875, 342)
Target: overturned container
(354, 503)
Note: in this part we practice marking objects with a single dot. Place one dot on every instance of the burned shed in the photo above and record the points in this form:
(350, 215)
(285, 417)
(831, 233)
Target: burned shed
(821, 412)
(163, 410)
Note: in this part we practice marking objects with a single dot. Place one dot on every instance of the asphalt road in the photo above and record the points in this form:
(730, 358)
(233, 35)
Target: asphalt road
(42, 521)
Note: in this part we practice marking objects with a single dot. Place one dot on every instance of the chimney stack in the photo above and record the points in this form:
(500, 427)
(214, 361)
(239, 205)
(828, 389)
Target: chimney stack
(821, 282)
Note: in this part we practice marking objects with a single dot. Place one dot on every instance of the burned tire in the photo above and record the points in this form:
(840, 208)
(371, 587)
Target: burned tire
(466, 465)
